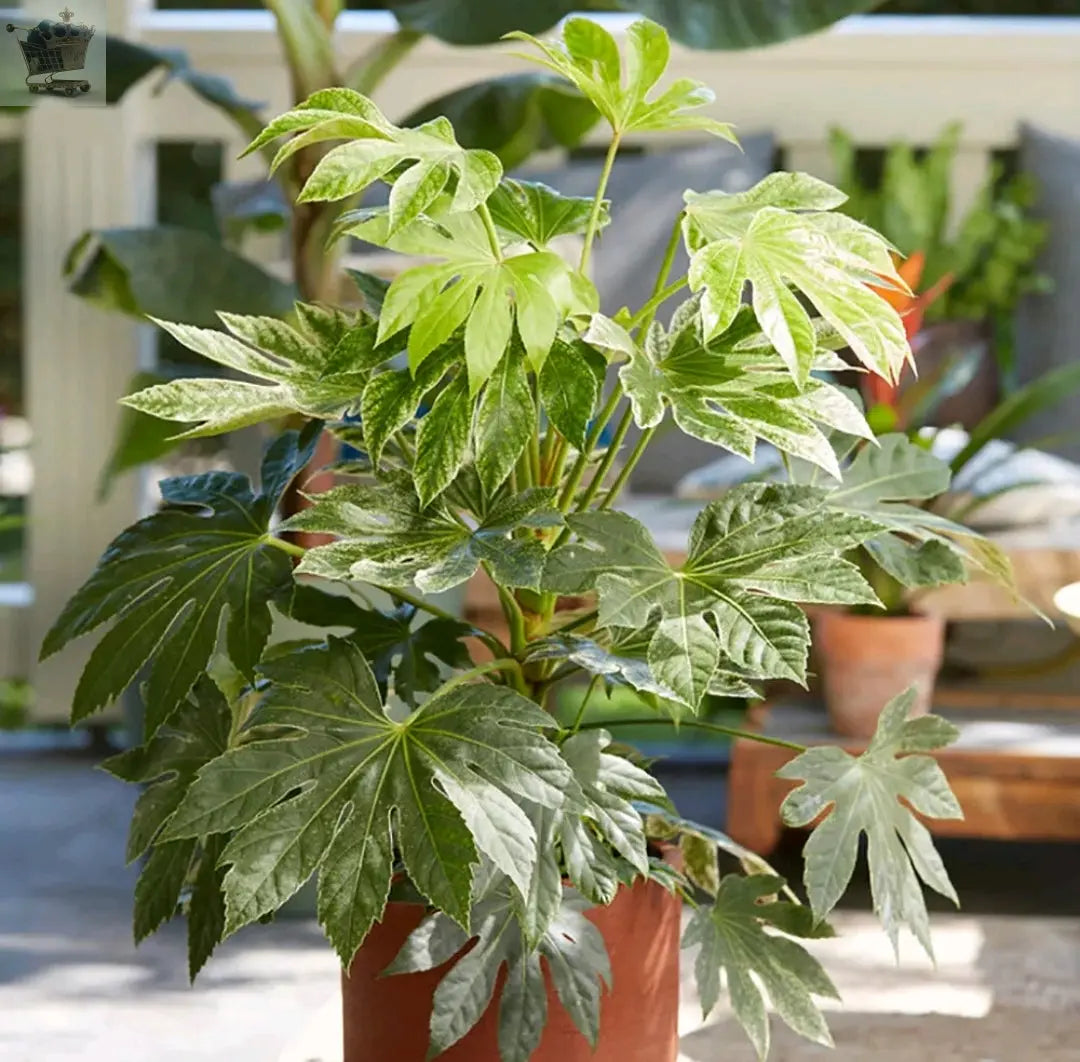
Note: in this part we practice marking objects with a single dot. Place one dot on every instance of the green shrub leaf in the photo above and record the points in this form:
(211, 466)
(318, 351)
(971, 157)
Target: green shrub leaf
(573, 952)
(387, 539)
(861, 795)
(731, 599)
(166, 580)
(353, 783)
(759, 965)
(318, 370)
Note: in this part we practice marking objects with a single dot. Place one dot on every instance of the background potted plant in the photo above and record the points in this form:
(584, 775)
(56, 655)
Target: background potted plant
(971, 271)
(868, 654)
(458, 831)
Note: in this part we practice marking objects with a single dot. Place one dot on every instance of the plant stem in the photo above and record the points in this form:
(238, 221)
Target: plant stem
(577, 473)
(584, 704)
(645, 315)
(515, 619)
(558, 462)
(580, 621)
(598, 203)
(628, 468)
(286, 547)
(699, 724)
(489, 228)
(371, 69)
(608, 460)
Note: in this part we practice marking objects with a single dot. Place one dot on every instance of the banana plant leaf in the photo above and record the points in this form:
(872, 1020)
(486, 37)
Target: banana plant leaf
(127, 63)
(719, 24)
(172, 273)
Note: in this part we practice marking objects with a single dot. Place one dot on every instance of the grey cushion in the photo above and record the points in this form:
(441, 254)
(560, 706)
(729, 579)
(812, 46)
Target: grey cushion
(1048, 326)
(646, 193)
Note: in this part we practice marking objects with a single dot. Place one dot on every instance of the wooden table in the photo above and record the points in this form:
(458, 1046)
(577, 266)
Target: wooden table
(1017, 776)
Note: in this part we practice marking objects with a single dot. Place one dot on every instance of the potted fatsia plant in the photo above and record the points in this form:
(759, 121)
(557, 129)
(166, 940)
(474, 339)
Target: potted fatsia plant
(497, 885)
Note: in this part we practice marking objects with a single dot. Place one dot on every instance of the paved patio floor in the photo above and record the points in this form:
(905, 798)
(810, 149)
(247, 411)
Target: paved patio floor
(72, 987)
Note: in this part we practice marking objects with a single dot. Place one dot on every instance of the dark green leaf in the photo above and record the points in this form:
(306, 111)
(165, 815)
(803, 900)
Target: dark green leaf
(157, 892)
(339, 795)
(166, 580)
(442, 440)
(127, 63)
(205, 908)
(758, 965)
(861, 795)
(513, 116)
(171, 273)
(505, 419)
(570, 384)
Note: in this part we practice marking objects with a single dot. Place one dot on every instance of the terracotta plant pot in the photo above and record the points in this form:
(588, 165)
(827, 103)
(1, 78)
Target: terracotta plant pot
(386, 1018)
(868, 660)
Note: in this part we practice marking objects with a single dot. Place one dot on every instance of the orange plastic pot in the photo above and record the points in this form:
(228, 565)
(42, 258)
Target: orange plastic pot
(868, 660)
(386, 1018)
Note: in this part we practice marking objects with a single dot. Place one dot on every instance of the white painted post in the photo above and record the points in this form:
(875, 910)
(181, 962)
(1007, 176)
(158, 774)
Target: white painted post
(81, 170)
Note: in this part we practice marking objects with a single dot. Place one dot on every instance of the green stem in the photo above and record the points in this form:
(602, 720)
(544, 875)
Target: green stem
(698, 724)
(558, 462)
(580, 621)
(371, 69)
(489, 228)
(584, 704)
(534, 439)
(598, 203)
(628, 468)
(577, 473)
(607, 461)
(515, 619)
(644, 316)
(286, 547)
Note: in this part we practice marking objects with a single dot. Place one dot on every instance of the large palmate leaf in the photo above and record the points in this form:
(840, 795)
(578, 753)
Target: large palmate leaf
(166, 765)
(420, 163)
(737, 937)
(127, 63)
(386, 538)
(862, 795)
(917, 547)
(513, 116)
(782, 238)
(318, 369)
(355, 784)
(166, 581)
(720, 24)
(478, 286)
(404, 646)
(729, 391)
(172, 273)
(751, 555)
(588, 56)
(574, 957)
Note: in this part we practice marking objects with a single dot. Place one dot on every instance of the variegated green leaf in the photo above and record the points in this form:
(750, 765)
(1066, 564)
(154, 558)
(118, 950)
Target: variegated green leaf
(862, 795)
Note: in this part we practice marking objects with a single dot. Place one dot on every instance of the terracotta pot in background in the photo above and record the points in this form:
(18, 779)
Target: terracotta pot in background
(868, 660)
(386, 1018)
